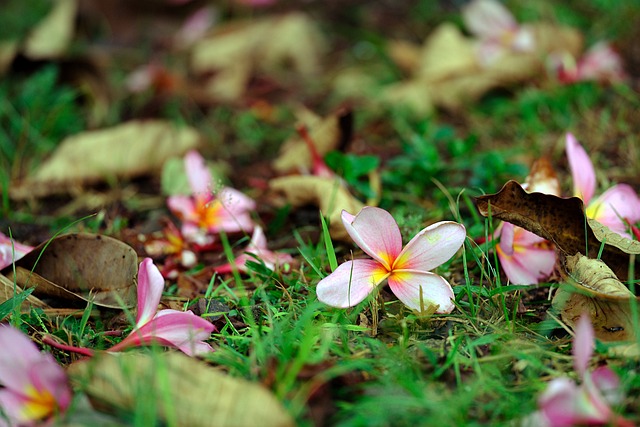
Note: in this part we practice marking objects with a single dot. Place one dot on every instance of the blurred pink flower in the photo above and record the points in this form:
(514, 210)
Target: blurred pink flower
(35, 387)
(9, 247)
(203, 212)
(196, 26)
(616, 207)
(172, 328)
(257, 251)
(600, 63)
(175, 248)
(565, 403)
(497, 30)
(406, 270)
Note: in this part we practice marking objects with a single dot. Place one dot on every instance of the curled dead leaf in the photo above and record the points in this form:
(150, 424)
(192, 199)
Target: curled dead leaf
(9, 289)
(563, 222)
(80, 266)
(327, 193)
(183, 390)
(123, 151)
(593, 288)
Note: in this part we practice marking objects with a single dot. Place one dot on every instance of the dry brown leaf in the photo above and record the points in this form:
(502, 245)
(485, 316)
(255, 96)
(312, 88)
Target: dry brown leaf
(236, 51)
(327, 134)
(327, 193)
(80, 266)
(594, 289)
(51, 37)
(123, 151)
(542, 178)
(563, 222)
(8, 289)
(183, 390)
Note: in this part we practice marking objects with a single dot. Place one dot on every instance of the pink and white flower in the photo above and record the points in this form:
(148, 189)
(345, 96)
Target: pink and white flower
(600, 63)
(616, 207)
(172, 328)
(406, 270)
(565, 403)
(257, 251)
(9, 248)
(497, 30)
(35, 387)
(203, 212)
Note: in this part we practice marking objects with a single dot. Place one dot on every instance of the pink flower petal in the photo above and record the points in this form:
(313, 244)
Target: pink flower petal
(419, 289)
(150, 287)
(431, 247)
(488, 19)
(618, 203)
(258, 240)
(235, 213)
(183, 207)
(14, 364)
(584, 176)
(197, 173)
(601, 63)
(583, 344)
(350, 283)
(558, 401)
(172, 328)
(376, 232)
(527, 265)
(605, 380)
(9, 247)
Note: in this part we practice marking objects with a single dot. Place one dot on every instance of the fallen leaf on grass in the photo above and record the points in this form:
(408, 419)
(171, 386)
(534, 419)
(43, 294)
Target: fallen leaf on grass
(562, 221)
(448, 73)
(594, 289)
(182, 390)
(328, 194)
(123, 151)
(52, 35)
(80, 266)
(9, 289)
(235, 52)
(327, 134)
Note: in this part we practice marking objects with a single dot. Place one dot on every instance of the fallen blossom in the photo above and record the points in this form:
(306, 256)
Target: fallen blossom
(614, 208)
(196, 26)
(600, 63)
(406, 269)
(178, 252)
(34, 387)
(496, 29)
(525, 257)
(257, 251)
(203, 212)
(9, 248)
(566, 403)
(172, 328)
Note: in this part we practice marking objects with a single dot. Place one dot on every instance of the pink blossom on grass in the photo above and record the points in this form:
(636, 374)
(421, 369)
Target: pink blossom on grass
(406, 270)
(172, 328)
(526, 258)
(35, 387)
(9, 247)
(566, 403)
(600, 63)
(616, 207)
(203, 212)
(497, 30)
(257, 251)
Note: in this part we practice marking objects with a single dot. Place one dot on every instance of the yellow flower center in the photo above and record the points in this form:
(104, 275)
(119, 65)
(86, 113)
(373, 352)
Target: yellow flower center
(40, 404)
(208, 212)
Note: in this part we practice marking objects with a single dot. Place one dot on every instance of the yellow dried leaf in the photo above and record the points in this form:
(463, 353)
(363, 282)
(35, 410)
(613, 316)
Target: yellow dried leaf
(51, 37)
(182, 390)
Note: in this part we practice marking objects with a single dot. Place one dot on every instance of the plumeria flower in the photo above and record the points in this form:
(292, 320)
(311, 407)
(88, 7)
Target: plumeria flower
(525, 257)
(497, 30)
(172, 328)
(565, 403)
(196, 26)
(9, 247)
(614, 208)
(175, 248)
(203, 212)
(256, 251)
(600, 63)
(406, 270)
(35, 387)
